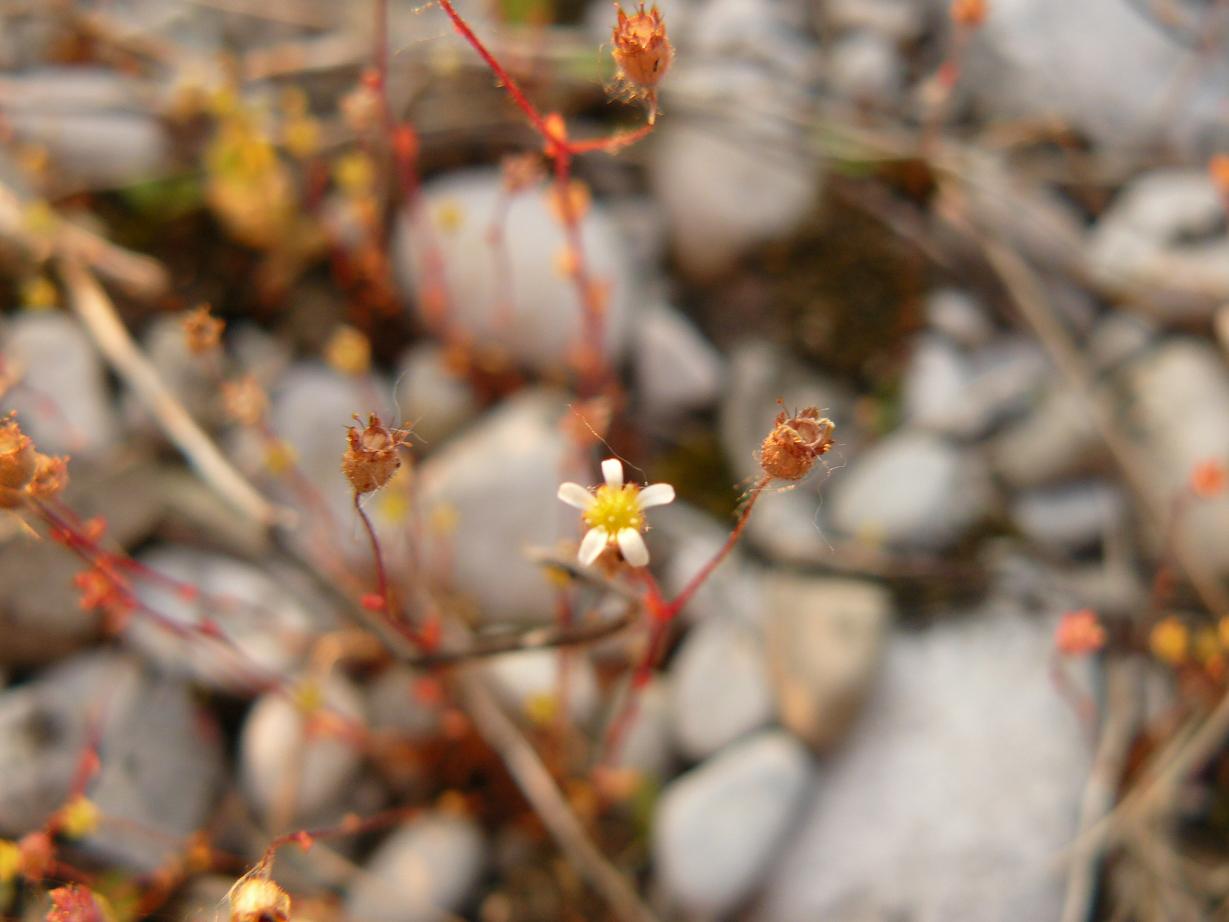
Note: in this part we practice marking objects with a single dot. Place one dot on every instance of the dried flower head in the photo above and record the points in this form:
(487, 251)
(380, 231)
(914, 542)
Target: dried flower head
(791, 449)
(18, 459)
(642, 53)
(202, 330)
(257, 899)
(244, 400)
(1079, 633)
(50, 477)
(75, 903)
(371, 459)
(614, 513)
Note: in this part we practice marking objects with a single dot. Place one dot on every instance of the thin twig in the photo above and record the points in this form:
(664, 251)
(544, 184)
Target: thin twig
(539, 788)
(98, 314)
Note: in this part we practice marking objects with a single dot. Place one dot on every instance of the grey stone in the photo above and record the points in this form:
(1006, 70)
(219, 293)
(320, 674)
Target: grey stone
(62, 401)
(256, 609)
(1070, 517)
(432, 397)
(1033, 59)
(865, 67)
(959, 316)
(498, 481)
(97, 126)
(1163, 236)
(960, 783)
(647, 746)
(687, 539)
(1177, 409)
(160, 762)
(528, 678)
(544, 322)
(677, 369)
(719, 827)
(718, 688)
(289, 775)
(825, 638)
(911, 491)
(1054, 441)
(423, 872)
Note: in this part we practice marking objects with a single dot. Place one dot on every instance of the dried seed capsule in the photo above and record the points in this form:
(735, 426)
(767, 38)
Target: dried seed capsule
(371, 459)
(18, 459)
(791, 449)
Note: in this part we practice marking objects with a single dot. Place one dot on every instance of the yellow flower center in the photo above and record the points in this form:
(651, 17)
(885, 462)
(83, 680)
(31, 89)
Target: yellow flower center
(615, 509)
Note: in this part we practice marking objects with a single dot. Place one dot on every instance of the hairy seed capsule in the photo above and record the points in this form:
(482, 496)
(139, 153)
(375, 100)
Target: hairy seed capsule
(795, 443)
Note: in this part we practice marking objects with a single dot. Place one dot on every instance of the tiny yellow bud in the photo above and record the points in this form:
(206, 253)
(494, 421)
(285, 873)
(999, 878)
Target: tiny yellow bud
(10, 861)
(78, 818)
(1169, 641)
(348, 351)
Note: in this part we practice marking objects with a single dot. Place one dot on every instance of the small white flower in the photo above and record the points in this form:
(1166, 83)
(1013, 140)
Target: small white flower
(614, 513)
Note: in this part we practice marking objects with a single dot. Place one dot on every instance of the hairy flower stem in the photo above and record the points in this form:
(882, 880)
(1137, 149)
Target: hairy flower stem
(677, 603)
(595, 371)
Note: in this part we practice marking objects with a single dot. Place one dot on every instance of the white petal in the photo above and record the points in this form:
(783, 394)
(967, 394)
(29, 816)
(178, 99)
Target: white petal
(592, 545)
(612, 470)
(656, 494)
(575, 495)
(632, 545)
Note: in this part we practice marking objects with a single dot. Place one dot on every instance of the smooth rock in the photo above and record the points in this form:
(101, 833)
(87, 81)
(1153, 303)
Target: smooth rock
(291, 776)
(937, 387)
(395, 705)
(431, 396)
(959, 785)
(1033, 59)
(98, 126)
(865, 67)
(687, 539)
(959, 316)
(528, 683)
(41, 619)
(423, 872)
(729, 170)
(161, 762)
(63, 401)
(718, 688)
(719, 828)
(497, 483)
(255, 608)
(912, 491)
(899, 20)
(677, 369)
(543, 323)
(1118, 338)
(647, 747)
(1176, 403)
(1164, 236)
(1056, 440)
(1070, 517)
(824, 639)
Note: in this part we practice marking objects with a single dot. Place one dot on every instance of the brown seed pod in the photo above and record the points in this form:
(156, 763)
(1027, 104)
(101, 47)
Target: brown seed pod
(642, 49)
(371, 459)
(18, 458)
(202, 330)
(50, 477)
(791, 449)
